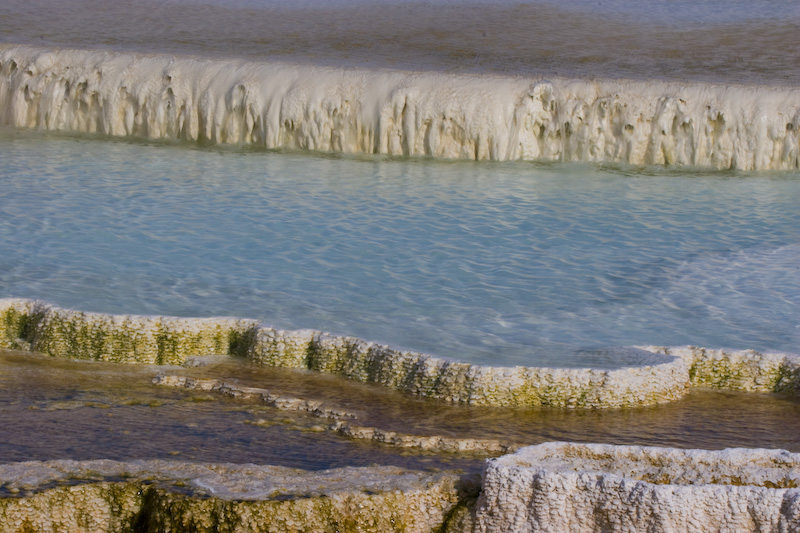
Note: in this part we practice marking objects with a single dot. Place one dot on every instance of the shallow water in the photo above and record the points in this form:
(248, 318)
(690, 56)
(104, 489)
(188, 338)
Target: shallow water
(499, 264)
(80, 410)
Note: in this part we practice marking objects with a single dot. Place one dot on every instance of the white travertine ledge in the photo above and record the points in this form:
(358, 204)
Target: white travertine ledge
(278, 105)
(596, 487)
(33, 325)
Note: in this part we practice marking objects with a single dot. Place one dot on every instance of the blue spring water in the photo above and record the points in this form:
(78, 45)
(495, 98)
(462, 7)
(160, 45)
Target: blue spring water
(501, 264)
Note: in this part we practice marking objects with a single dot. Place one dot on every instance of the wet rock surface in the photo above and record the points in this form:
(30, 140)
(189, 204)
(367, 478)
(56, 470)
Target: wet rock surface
(172, 496)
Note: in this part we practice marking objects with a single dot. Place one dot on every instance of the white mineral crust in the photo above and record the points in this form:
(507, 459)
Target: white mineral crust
(598, 487)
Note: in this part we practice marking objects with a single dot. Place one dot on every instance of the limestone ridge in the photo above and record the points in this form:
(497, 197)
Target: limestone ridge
(54, 331)
(284, 106)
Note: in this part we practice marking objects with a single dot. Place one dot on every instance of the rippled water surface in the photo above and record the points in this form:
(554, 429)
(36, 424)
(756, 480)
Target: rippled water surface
(494, 263)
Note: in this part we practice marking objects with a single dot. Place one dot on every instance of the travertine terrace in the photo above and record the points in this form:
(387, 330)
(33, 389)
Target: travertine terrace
(273, 105)
(33, 325)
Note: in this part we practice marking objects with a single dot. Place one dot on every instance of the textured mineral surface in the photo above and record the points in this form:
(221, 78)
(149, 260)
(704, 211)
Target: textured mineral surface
(595, 487)
(280, 105)
(162, 496)
(663, 375)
